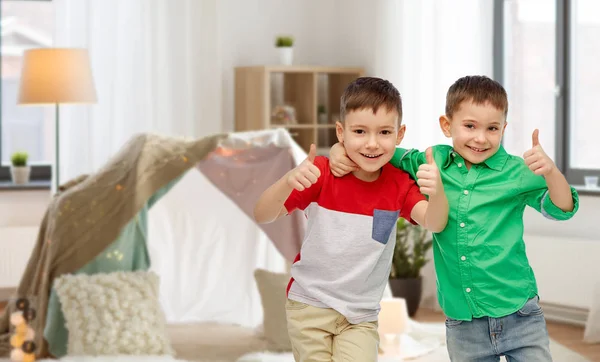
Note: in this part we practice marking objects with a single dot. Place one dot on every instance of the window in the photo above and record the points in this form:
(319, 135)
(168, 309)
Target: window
(25, 24)
(584, 86)
(548, 53)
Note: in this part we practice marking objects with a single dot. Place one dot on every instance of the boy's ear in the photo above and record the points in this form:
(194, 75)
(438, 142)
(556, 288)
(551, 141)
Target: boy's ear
(503, 130)
(445, 125)
(400, 135)
(339, 131)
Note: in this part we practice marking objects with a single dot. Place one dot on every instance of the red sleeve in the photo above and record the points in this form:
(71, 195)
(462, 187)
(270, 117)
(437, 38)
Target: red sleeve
(410, 198)
(301, 199)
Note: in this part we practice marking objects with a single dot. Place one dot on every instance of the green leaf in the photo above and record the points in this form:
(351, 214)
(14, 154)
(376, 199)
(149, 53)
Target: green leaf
(284, 41)
(19, 159)
(412, 245)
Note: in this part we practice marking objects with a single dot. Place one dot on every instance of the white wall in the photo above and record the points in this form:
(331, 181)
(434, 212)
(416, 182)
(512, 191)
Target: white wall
(564, 255)
(22, 208)
(333, 32)
(20, 215)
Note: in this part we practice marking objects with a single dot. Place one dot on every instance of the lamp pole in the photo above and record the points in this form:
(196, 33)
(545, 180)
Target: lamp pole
(57, 144)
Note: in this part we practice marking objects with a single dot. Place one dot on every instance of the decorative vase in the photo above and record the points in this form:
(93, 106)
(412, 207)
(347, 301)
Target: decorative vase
(410, 289)
(20, 174)
(322, 117)
(286, 55)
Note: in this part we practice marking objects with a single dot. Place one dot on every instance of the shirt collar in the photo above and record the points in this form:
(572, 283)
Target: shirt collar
(450, 158)
(496, 162)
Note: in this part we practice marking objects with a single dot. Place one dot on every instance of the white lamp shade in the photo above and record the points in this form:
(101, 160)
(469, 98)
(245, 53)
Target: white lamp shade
(56, 75)
(393, 316)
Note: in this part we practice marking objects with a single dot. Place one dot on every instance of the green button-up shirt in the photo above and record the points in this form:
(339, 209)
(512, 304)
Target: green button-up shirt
(480, 261)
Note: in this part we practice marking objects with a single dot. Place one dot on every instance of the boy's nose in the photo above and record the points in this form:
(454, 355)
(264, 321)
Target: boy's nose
(372, 142)
(480, 138)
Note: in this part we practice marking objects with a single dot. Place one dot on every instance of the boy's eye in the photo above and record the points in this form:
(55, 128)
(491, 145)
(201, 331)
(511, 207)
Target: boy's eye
(469, 126)
(386, 132)
(493, 128)
(359, 131)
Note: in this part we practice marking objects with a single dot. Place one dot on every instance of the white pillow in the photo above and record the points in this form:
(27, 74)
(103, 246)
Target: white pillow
(272, 288)
(113, 314)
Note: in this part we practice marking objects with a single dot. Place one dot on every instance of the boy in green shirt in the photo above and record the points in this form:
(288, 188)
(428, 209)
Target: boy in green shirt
(486, 287)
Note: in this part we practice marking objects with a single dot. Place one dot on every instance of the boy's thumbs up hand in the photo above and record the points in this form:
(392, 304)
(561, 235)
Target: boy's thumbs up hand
(535, 141)
(429, 156)
(305, 174)
(312, 153)
(428, 176)
(536, 159)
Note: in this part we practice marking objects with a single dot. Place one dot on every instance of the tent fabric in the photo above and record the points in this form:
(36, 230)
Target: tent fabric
(92, 214)
(205, 245)
(127, 253)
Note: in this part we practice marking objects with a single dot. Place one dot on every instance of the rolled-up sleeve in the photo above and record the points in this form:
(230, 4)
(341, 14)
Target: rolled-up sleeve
(537, 195)
(551, 211)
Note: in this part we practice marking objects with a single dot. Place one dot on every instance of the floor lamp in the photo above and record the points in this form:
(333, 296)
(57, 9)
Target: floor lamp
(56, 76)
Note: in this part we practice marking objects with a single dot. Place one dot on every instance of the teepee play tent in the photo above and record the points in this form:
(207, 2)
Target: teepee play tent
(180, 208)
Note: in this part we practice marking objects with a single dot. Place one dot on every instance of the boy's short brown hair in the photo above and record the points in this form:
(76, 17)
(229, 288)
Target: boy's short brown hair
(370, 93)
(476, 88)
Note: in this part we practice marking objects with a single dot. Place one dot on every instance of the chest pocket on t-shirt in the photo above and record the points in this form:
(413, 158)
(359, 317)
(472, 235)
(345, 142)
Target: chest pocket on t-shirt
(383, 223)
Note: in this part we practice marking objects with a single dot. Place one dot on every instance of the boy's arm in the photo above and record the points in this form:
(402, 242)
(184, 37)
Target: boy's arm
(270, 205)
(339, 162)
(559, 190)
(551, 194)
(432, 215)
(408, 160)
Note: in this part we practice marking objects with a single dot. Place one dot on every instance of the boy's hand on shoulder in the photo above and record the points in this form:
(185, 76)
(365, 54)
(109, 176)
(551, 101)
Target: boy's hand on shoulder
(339, 162)
(305, 174)
(536, 159)
(428, 176)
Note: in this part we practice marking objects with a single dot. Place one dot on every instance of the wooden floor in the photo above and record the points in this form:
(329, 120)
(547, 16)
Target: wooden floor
(567, 335)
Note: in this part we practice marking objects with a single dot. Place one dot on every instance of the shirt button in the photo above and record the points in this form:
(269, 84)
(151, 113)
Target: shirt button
(459, 165)
(463, 258)
(466, 192)
(468, 290)
(462, 224)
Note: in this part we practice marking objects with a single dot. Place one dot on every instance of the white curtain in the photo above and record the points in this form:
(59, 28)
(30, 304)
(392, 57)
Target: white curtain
(423, 47)
(156, 68)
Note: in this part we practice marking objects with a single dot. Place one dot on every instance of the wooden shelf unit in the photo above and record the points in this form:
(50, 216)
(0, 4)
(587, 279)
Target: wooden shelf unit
(259, 89)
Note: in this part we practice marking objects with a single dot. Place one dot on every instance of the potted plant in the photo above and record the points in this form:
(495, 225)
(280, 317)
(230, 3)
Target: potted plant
(285, 45)
(412, 245)
(19, 169)
(322, 114)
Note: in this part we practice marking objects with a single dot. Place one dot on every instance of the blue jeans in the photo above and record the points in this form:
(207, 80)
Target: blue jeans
(521, 337)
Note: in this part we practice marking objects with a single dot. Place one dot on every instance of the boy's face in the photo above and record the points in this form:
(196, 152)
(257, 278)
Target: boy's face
(476, 130)
(370, 139)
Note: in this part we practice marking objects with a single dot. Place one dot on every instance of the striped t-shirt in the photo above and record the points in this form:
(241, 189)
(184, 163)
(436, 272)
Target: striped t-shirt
(346, 255)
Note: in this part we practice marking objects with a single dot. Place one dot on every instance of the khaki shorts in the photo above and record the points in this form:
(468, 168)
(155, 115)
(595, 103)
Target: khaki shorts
(324, 335)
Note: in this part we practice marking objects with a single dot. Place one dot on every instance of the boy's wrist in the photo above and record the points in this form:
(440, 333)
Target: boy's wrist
(554, 171)
(438, 195)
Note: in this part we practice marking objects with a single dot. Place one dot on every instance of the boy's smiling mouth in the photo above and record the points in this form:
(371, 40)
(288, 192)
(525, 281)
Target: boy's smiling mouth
(478, 150)
(371, 156)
